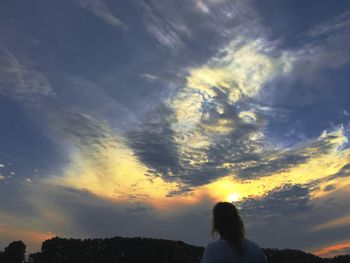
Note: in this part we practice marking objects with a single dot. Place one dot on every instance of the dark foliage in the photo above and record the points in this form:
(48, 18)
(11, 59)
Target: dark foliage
(297, 256)
(13, 253)
(132, 250)
(341, 259)
(291, 256)
(117, 249)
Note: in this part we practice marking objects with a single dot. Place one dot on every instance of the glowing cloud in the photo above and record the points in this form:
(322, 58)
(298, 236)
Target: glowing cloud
(332, 250)
(107, 168)
(105, 165)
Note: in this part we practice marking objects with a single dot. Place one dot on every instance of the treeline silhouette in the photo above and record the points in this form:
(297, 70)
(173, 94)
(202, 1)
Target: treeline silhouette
(134, 250)
(296, 256)
(13, 253)
(116, 249)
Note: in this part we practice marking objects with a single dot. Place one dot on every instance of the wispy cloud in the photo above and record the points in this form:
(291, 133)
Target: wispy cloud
(202, 6)
(321, 48)
(20, 79)
(149, 77)
(160, 28)
(285, 201)
(337, 25)
(326, 43)
(338, 222)
(101, 10)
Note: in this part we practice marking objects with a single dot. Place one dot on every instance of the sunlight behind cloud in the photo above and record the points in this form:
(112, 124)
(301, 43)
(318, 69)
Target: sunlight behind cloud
(134, 118)
(234, 197)
(109, 169)
(115, 173)
(205, 108)
(313, 172)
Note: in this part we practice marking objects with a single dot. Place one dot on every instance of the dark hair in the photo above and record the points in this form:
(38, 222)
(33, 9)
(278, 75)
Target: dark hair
(228, 223)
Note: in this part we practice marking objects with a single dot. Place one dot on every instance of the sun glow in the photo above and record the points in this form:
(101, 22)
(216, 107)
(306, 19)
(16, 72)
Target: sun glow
(234, 197)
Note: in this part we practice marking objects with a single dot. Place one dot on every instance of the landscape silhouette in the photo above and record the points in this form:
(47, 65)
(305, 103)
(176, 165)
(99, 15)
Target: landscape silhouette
(134, 250)
(232, 246)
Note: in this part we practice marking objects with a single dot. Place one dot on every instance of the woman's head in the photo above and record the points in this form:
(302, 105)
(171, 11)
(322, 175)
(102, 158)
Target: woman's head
(228, 223)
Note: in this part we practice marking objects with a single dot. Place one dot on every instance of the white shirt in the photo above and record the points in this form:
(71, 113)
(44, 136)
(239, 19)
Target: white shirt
(221, 251)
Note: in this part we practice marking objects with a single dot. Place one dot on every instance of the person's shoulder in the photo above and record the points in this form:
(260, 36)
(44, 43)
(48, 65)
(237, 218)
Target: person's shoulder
(216, 246)
(255, 250)
(215, 243)
(250, 243)
(215, 251)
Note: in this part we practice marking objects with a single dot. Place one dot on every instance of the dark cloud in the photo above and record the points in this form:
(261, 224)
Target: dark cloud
(283, 160)
(84, 130)
(12, 194)
(154, 143)
(329, 187)
(268, 167)
(138, 209)
(92, 99)
(291, 214)
(287, 202)
(79, 213)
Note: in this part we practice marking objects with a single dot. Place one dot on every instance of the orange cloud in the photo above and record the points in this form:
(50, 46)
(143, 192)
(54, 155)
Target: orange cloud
(332, 250)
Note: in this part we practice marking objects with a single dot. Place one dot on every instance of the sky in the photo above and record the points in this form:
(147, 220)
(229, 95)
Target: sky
(133, 118)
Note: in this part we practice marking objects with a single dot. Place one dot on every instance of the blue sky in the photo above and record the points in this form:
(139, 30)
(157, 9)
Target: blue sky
(134, 117)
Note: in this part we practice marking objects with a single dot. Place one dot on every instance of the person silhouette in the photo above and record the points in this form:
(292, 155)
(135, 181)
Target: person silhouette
(232, 246)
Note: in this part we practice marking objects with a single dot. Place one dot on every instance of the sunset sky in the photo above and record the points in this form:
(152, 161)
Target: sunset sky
(133, 117)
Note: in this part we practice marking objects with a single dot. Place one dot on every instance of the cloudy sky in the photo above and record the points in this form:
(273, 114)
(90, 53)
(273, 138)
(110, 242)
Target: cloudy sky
(133, 118)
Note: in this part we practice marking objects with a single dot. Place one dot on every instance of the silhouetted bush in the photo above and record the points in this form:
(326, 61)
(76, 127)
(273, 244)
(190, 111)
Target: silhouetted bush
(13, 253)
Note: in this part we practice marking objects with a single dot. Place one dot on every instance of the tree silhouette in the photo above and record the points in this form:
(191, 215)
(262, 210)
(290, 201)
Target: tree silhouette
(135, 250)
(117, 249)
(341, 259)
(14, 253)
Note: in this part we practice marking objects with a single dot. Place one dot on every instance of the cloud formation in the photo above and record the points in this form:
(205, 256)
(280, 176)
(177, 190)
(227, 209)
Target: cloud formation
(101, 10)
(197, 101)
(161, 28)
(20, 79)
